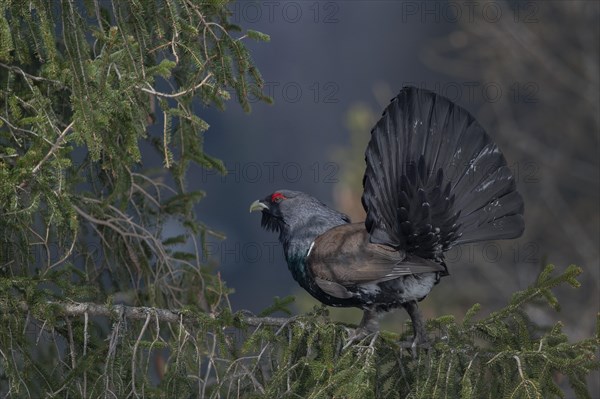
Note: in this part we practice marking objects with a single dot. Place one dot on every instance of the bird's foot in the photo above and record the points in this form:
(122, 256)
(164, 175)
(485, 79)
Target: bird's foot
(418, 343)
(369, 325)
(357, 335)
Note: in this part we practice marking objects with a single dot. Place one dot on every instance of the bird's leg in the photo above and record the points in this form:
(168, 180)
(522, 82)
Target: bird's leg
(370, 322)
(368, 325)
(420, 335)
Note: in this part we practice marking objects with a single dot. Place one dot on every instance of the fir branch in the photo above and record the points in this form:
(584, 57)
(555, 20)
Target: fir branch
(306, 355)
(26, 75)
(27, 131)
(78, 309)
(53, 149)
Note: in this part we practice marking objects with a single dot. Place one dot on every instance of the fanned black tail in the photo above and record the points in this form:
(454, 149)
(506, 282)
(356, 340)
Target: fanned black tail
(435, 179)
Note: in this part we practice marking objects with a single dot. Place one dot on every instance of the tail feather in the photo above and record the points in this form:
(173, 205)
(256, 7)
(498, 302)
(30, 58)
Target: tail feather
(500, 218)
(434, 178)
(495, 185)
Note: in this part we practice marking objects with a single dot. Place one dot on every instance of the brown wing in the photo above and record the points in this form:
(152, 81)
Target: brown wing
(344, 257)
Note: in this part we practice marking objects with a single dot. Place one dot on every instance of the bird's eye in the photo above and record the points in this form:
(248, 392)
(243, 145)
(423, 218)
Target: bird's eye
(277, 198)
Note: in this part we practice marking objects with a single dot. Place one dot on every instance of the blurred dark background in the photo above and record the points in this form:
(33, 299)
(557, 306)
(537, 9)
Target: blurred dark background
(527, 70)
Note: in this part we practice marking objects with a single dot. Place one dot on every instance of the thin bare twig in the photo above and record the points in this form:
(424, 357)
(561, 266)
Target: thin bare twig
(52, 150)
(178, 94)
(29, 76)
(133, 356)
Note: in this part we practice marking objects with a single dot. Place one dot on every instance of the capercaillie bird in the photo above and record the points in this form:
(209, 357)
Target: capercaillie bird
(434, 179)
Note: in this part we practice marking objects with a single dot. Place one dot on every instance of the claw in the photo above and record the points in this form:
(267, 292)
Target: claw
(357, 335)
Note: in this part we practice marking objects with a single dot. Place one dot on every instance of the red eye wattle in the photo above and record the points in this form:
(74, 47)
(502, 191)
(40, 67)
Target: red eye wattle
(277, 197)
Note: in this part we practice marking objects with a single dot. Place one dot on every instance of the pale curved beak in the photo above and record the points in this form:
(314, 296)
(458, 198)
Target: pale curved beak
(258, 206)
